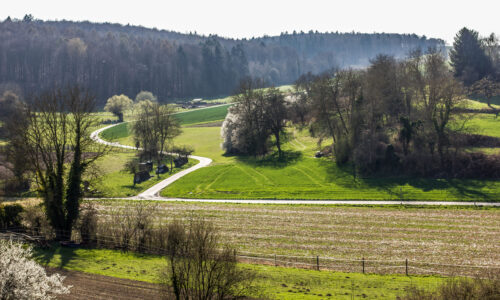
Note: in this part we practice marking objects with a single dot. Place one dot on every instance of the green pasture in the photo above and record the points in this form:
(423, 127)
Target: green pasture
(272, 282)
(229, 99)
(203, 115)
(486, 124)
(301, 176)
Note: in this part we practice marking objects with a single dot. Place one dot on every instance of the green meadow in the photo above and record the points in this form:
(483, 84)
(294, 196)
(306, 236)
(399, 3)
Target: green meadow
(300, 175)
(271, 282)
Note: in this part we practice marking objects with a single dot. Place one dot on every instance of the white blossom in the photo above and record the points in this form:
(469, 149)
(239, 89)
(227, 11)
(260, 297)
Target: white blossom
(22, 278)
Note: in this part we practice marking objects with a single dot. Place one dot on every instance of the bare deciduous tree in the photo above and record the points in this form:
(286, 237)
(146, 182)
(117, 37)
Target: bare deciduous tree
(197, 268)
(54, 132)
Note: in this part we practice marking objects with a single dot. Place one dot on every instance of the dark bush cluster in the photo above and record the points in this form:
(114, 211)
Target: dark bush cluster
(460, 289)
(10, 215)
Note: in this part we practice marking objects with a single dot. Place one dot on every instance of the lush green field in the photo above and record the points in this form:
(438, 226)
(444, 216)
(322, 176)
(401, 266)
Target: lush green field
(272, 282)
(119, 131)
(122, 132)
(486, 124)
(114, 181)
(305, 177)
(476, 104)
(229, 99)
(203, 115)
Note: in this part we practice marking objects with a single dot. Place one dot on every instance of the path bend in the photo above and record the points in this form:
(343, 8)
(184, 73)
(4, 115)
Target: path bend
(154, 191)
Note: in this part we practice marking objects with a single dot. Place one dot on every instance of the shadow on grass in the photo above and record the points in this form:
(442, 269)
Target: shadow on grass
(47, 256)
(272, 160)
(396, 187)
(494, 100)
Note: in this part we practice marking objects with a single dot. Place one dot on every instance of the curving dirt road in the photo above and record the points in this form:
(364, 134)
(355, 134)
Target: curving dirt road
(153, 193)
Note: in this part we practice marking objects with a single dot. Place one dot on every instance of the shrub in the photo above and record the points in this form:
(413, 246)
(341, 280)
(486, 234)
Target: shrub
(22, 278)
(35, 221)
(460, 289)
(10, 215)
(197, 268)
(87, 224)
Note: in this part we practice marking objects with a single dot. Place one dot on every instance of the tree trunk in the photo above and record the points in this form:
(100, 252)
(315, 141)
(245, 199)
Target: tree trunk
(74, 191)
(278, 144)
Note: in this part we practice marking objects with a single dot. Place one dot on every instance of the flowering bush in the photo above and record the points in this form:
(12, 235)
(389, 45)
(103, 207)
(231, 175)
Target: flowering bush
(22, 278)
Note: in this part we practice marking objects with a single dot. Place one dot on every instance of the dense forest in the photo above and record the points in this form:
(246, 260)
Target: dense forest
(112, 59)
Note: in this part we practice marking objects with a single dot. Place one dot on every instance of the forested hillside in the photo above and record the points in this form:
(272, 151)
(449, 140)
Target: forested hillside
(111, 59)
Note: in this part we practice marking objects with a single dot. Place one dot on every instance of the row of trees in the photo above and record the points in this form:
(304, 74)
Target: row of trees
(118, 104)
(112, 59)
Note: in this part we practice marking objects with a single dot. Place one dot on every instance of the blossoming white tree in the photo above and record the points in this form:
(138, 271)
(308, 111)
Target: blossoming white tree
(22, 278)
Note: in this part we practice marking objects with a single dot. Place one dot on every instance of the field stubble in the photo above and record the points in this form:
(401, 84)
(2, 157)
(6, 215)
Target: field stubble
(343, 236)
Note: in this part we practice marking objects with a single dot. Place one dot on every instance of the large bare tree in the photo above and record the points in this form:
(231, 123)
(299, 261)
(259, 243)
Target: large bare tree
(55, 135)
(155, 129)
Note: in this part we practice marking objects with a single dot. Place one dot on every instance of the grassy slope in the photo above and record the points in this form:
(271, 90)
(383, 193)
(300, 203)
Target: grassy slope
(203, 115)
(305, 177)
(273, 282)
(486, 124)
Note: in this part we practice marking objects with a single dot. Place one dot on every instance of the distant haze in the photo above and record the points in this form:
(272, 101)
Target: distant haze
(239, 19)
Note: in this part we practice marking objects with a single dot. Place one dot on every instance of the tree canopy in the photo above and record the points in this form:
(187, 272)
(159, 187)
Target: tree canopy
(468, 57)
(117, 104)
(111, 59)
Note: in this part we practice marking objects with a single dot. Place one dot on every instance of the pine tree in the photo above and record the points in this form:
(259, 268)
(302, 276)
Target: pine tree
(468, 57)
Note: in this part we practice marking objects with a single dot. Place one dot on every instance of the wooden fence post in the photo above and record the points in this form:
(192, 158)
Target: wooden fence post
(363, 265)
(275, 262)
(317, 262)
(406, 264)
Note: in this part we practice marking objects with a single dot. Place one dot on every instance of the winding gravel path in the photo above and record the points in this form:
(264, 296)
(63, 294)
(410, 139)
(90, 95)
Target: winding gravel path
(153, 193)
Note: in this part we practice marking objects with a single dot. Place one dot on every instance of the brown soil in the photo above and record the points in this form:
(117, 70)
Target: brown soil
(91, 286)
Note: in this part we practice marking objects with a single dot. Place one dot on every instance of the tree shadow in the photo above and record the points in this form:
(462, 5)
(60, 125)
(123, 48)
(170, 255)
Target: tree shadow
(46, 255)
(393, 185)
(272, 160)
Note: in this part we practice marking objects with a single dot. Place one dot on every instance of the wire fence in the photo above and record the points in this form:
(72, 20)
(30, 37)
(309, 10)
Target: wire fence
(367, 266)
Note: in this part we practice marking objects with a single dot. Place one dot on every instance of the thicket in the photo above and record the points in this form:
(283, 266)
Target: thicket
(257, 116)
(10, 215)
(395, 117)
(474, 58)
(49, 139)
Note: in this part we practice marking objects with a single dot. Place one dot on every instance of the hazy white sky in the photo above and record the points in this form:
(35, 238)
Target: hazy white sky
(236, 18)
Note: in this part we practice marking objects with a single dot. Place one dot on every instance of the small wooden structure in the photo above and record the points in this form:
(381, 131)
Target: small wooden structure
(141, 176)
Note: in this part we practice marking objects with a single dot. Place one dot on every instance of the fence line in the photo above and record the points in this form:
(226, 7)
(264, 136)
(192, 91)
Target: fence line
(374, 266)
